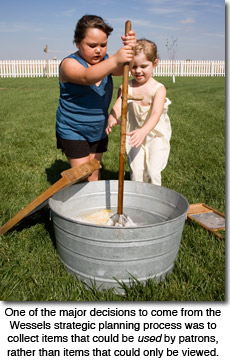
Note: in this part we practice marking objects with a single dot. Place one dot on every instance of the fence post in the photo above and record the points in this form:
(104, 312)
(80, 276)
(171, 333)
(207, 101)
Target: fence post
(181, 68)
(13, 69)
(212, 68)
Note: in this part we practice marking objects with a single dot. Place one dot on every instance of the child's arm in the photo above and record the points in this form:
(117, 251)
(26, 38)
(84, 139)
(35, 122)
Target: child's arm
(137, 136)
(73, 71)
(115, 113)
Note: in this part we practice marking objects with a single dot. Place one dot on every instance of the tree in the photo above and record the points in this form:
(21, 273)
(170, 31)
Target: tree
(47, 65)
(172, 50)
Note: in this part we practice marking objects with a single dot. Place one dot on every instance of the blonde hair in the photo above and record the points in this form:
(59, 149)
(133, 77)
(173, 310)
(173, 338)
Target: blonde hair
(148, 47)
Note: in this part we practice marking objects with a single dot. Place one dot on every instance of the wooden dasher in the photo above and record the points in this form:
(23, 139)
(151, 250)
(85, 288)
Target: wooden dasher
(121, 218)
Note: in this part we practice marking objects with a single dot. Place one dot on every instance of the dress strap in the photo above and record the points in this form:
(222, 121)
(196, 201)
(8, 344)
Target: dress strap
(130, 91)
(155, 88)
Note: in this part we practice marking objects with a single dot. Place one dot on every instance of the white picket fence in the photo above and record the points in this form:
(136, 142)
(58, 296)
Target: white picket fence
(42, 68)
(29, 68)
(190, 68)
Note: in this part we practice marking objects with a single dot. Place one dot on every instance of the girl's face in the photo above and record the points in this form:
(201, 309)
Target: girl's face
(142, 68)
(94, 46)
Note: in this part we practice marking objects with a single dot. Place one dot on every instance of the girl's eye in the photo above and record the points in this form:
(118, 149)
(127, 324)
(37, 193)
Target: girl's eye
(95, 45)
(141, 66)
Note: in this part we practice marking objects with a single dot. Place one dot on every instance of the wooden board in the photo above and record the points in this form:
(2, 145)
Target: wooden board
(69, 177)
(206, 216)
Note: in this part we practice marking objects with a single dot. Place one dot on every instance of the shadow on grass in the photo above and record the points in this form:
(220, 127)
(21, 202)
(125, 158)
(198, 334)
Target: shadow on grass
(112, 175)
(42, 217)
(41, 213)
(54, 171)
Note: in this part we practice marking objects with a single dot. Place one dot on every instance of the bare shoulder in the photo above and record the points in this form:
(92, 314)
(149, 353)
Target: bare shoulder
(156, 83)
(160, 88)
(69, 69)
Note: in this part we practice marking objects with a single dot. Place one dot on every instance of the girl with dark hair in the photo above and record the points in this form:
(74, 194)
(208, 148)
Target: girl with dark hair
(86, 90)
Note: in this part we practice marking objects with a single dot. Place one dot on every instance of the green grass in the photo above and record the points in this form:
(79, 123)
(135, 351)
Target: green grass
(30, 268)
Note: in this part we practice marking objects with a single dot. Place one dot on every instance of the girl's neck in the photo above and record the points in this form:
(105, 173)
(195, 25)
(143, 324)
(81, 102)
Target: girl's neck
(149, 81)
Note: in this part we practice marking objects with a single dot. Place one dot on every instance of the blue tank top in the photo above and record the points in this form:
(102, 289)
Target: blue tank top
(82, 113)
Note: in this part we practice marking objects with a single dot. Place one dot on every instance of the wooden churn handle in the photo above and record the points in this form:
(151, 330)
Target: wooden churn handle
(123, 129)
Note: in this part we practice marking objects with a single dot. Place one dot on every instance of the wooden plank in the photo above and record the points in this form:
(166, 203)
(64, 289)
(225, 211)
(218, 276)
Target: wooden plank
(201, 208)
(69, 177)
(198, 208)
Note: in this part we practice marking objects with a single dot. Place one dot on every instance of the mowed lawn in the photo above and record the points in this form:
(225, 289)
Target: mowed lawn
(30, 268)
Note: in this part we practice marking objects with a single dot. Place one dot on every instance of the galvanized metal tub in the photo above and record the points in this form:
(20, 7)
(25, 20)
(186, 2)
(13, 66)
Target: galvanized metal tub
(101, 254)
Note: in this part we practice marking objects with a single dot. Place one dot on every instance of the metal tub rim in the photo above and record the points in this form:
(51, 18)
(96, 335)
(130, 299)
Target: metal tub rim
(82, 223)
